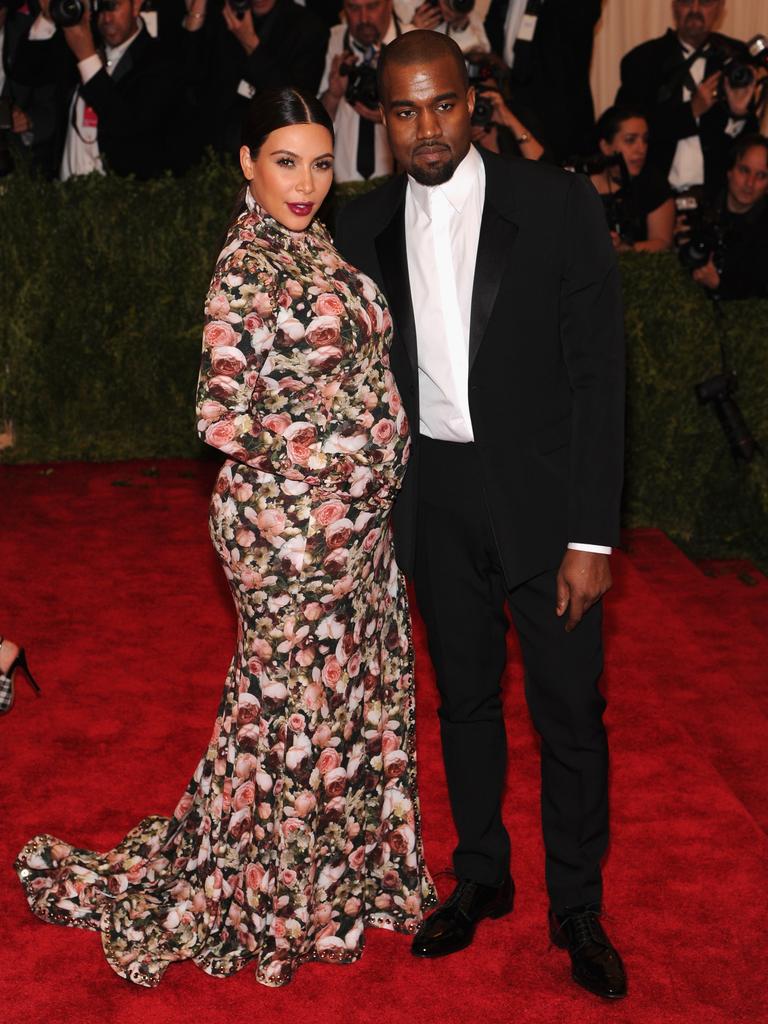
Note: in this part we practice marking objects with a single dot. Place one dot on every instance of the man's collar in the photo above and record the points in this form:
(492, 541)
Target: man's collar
(114, 55)
(457, 189)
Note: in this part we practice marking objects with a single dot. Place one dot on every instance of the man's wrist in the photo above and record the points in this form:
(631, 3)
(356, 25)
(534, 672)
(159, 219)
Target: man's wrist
(597, 549)
(89, 67)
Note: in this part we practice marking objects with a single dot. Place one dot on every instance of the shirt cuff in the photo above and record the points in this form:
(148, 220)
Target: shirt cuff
(89, 67)
(734, 126)
(41, 30)
(597, 549)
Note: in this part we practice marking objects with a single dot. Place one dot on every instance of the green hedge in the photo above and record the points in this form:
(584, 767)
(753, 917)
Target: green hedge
(102, 282)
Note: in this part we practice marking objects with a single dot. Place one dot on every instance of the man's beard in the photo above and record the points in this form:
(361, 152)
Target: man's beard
(438, 174)
(367, 34)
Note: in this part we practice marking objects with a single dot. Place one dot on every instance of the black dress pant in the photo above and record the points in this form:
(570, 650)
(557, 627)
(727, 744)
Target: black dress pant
(462, 594)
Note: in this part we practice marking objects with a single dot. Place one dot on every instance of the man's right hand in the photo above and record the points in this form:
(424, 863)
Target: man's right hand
(706, 95)
(337, 82)
(427, 16)
(79, 37)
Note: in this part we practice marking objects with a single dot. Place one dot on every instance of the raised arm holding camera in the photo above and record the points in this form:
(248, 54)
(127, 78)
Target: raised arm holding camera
(697, 88)
(118, 96)
(458, 19)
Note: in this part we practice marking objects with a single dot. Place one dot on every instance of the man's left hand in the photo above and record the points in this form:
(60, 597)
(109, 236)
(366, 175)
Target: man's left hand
(79, 37)
(241, 28)
(367, 113)
(583, 578)
(707, 275)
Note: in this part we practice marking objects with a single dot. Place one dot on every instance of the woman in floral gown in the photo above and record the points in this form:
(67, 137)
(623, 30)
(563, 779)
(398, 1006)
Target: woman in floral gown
(301, 823)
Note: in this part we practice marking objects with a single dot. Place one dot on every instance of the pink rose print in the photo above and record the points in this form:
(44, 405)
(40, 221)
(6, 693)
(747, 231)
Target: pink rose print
(219, 333)
(329, 305)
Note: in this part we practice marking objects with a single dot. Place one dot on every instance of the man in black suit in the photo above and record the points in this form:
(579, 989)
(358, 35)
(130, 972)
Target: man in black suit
(550, 64)
(118, 98)
(694, 113)
(508, 353)
(231, 55)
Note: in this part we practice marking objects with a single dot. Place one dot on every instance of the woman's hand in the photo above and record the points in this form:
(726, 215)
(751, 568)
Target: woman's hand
(707, 275)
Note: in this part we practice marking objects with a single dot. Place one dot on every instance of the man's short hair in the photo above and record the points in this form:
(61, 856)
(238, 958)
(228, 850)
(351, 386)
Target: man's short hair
(742, 147)
(422, 46)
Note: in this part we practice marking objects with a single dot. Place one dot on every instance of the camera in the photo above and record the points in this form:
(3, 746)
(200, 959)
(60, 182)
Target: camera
(478, 73)
(66, 13)
(618, 206)
(362, 86)
(240, 7)
(719, 391)
(739, 68)
(702, 238)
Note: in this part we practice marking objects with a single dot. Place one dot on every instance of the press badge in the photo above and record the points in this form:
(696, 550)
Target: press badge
(528, 28)
(246, 89)
(90, 117)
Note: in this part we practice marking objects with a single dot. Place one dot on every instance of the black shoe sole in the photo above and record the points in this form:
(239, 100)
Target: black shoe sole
(612, 997)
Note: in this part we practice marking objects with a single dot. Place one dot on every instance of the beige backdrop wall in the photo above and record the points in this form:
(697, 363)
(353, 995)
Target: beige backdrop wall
(625, 23)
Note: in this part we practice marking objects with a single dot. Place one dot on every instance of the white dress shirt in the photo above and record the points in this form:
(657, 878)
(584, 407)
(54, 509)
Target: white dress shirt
(346, 123)
(442, 232)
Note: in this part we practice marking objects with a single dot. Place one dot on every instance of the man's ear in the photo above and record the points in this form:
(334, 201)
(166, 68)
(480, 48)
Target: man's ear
(605, 147)
(471, 96)
(383, 114)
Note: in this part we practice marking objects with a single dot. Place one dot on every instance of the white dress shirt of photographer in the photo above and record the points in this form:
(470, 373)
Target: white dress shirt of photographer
(122, 25)
(464, 27)
(369, 24)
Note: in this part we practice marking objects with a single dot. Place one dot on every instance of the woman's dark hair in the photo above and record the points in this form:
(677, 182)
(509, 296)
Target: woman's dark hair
(742, 147)
(611, 120)
(269, 110)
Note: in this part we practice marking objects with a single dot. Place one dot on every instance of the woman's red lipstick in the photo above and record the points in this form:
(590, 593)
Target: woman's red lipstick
(301, 209)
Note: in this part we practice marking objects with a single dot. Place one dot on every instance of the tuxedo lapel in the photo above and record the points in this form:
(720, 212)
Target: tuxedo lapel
(393, 260)
(497, 235)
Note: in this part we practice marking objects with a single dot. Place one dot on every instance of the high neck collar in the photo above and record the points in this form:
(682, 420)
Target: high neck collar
(271, 226)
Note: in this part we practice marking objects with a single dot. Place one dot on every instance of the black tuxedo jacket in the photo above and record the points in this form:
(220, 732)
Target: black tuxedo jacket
(139, 106)
(546, 357)
(651, 79)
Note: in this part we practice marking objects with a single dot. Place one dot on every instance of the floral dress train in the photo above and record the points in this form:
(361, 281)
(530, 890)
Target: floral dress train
(300, 825)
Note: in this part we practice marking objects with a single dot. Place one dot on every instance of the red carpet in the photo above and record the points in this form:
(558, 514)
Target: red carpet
(110, 581)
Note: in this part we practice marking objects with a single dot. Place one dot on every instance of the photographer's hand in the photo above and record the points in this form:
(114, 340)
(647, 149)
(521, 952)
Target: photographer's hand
(740, 100)
(583, 578)
(21, 121)
(707, 275)
(705, 96)
(337, 83)
(241, 28)
(531, 148)
(369, 115)
(195, 19)
(427, 16)
(79, 37)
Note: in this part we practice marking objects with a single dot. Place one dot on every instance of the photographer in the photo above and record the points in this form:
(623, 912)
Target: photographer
(455, 18)
(697, 90)
(233, 50)
(348, 90)
(547, 45)
(498, 124)
(637, 198)
(738, 268)
(115, 110)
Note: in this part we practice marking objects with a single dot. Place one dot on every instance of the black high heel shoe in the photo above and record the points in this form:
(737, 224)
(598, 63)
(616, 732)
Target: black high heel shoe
(6, 680)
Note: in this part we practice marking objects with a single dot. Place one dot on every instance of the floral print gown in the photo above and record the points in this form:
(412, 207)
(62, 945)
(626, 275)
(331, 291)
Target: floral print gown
(301, 823)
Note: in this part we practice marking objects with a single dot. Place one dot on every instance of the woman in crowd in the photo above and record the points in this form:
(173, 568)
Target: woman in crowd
(301, 824)
(639, 200)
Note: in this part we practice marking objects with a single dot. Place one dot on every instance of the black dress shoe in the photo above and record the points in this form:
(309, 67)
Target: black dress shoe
(452, 926)
(595, 964)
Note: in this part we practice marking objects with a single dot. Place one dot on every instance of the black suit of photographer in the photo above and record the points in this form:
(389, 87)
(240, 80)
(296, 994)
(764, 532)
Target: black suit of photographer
(291, 52)
(550, 76)
(653, 78)
(138, 105)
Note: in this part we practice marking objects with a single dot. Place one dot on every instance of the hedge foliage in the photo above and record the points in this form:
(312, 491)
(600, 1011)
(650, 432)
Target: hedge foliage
(102, 282)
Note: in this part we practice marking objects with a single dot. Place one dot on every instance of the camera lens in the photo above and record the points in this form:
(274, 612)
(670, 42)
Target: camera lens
(66, 13)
